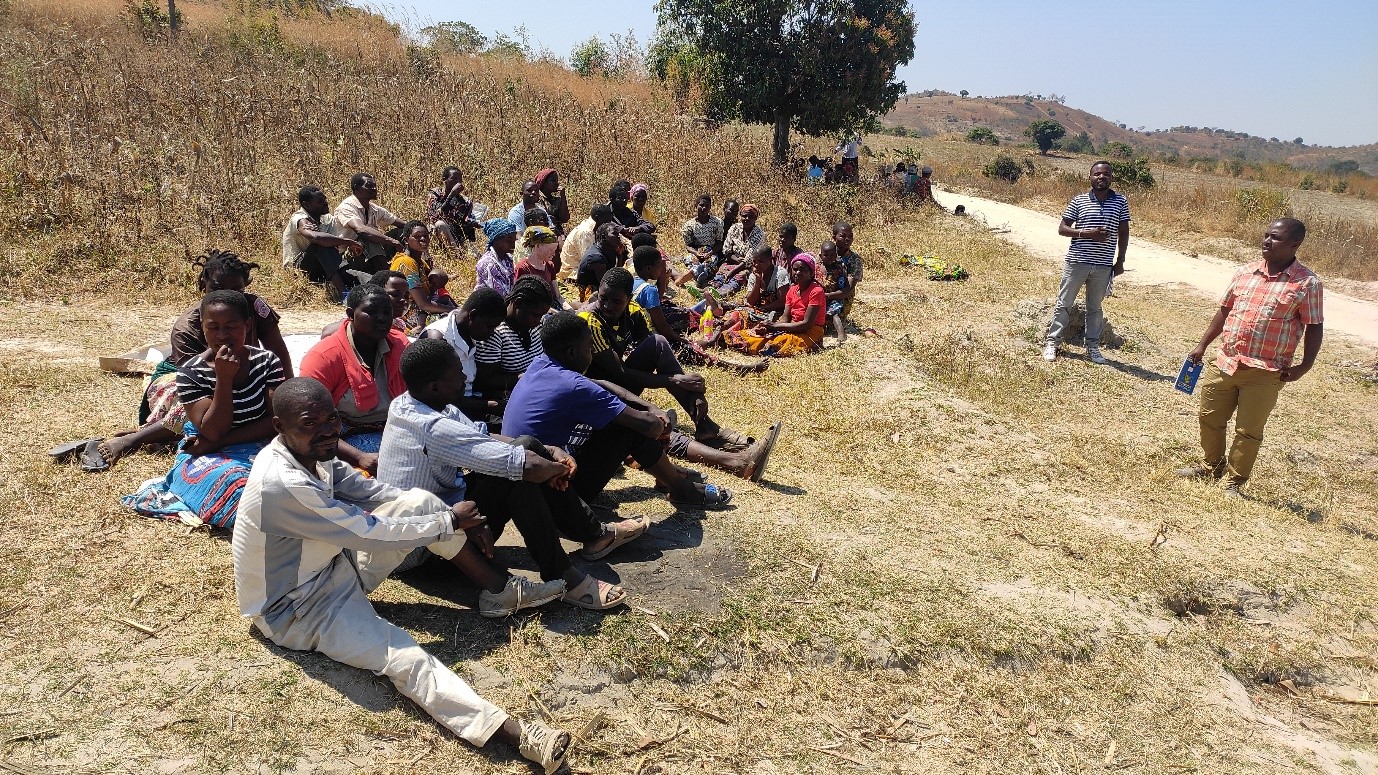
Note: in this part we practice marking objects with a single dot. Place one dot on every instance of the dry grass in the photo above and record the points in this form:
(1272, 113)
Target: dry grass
(992, 588)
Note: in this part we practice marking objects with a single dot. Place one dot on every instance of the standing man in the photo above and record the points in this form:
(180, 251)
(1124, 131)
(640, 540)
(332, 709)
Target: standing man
(359, 218)
(1270, 306)
(1098, 223)
(851, 153)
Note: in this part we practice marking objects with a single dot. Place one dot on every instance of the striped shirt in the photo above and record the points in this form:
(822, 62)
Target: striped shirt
(1268, 315)
(505, 349)
(1085, 211)
(196, 381)
(426, 449)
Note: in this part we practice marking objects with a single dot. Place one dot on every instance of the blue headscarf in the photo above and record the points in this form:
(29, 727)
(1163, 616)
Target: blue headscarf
(498, 227)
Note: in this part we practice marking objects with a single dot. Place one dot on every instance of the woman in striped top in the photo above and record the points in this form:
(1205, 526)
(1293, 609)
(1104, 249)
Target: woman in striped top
(503, 357)
(227, 392)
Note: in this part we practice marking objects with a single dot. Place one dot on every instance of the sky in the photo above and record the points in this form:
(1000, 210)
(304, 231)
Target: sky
(1264, 67)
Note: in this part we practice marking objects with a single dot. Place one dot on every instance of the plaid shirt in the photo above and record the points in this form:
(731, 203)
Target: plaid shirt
(1267, 316)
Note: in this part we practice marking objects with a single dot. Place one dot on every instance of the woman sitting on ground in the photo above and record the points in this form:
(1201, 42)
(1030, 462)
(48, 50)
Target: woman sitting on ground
(800, 329)
(427, 298)
(766, 287)
(161, 415)
(540, 244)
(448, 213)
(360, 364)
(641, 194)
(495, 268)
(227, 392)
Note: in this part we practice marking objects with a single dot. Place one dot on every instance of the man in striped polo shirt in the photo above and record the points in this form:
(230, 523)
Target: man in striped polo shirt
(1098, 223)
(1271, 306)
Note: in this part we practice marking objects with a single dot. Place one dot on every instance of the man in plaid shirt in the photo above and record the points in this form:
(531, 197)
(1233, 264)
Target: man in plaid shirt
(1271, 306)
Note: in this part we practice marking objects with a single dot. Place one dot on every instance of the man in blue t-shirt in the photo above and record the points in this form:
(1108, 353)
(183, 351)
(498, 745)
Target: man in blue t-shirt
(599, 424)
(1098, 223)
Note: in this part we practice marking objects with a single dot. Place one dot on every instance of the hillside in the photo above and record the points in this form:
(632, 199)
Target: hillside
(941, 113)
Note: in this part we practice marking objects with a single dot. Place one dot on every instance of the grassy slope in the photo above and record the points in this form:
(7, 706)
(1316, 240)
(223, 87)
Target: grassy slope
(988, 531)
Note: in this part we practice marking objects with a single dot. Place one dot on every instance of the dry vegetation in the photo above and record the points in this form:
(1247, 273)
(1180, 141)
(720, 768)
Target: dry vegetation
(963, 560)
(1189, 209)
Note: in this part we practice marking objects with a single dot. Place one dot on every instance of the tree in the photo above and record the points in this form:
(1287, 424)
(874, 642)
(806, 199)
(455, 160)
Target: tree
(964, 93)
(1079, 143)
(817, 66)
(1298, 141)
(982, 136)
(1044, 133)
(1117, 149)
(591, 58)
(454, 38)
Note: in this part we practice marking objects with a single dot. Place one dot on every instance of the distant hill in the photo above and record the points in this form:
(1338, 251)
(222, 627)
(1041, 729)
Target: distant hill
(934, 113)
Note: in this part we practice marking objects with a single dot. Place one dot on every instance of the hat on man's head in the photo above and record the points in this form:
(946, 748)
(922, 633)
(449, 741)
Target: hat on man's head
(927, 170)
(498, 227)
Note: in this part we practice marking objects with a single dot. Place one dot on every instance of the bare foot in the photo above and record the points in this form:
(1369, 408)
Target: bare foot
(116, 447)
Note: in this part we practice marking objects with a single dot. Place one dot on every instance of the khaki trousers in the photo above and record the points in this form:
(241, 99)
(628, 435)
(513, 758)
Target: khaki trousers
(333, 615)
(1248, 394)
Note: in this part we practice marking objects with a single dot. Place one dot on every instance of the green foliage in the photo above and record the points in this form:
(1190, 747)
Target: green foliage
(982, 136)
(591, 58)
(256, 34)
(964, 93)
(149, 19)
(1117, 150)
(1003, 167)
(1260, 205)
(1044, 133)
(454, 38)
(516, 45)
(1079, 143)
(815, 66)
(1340, 186)
(1133, 173)
(1346, 167)
(1307, 183)
(1298, 141)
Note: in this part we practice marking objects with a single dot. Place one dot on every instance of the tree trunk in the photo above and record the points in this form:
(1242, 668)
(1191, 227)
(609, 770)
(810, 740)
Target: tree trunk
(172, 19)
(780, 146)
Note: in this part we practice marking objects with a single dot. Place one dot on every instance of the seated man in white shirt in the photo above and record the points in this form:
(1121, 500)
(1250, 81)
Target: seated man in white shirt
(307, 550)
(311, 243)
(359, 217)
(427, 441)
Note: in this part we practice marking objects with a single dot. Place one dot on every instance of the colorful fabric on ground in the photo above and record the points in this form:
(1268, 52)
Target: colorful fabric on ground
(204, 488)
(160, 403)
(777, 345)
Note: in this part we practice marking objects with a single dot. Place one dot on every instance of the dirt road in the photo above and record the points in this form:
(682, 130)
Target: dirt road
(1148, 263)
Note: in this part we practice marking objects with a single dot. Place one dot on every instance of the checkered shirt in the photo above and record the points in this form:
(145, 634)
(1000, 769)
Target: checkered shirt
(1267, 316)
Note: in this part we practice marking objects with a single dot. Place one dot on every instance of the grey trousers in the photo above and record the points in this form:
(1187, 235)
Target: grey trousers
(1075, 276)
(334, 616)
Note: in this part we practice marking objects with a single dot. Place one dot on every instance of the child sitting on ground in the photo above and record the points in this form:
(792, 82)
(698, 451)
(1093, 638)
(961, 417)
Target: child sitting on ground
(438, 279)
(835, 285)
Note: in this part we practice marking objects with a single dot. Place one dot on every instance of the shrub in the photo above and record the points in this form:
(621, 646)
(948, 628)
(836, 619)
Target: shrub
(982, 136)
(1080, 143)
(1133, 173)
(1118, 150)
(148, 18)
(1340, 186)
(1259, 205)
(1003, 167)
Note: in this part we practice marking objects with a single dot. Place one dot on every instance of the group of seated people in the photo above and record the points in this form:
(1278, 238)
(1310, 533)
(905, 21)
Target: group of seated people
(414, 418)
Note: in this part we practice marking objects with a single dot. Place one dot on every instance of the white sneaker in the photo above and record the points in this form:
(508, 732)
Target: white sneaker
(518, 594)
(1093, 352)
(1050, 352)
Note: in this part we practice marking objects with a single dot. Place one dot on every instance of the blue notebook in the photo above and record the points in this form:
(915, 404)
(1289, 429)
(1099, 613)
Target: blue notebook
(1186, 379)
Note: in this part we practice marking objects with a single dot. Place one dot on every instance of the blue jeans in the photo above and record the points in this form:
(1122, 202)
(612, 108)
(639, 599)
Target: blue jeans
(1075, 276)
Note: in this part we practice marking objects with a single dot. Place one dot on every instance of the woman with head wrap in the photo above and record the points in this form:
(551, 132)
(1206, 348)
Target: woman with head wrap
(553, 198)
(495, 268)
(800, 328)
(640, 194)
(540, 244)
(631, 221)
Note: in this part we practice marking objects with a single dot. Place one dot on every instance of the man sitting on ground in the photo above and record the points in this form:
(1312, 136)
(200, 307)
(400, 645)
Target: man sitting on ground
(307, 550)
(581, 238)
(608, 251)
(359, 217)
(561, 407)
(311, 243)
(627, 354)
(464, 329)
(428, 441)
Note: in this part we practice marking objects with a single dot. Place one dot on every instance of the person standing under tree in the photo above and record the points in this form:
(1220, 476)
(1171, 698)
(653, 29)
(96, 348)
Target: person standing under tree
(1270, 306)
(1098, 223)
